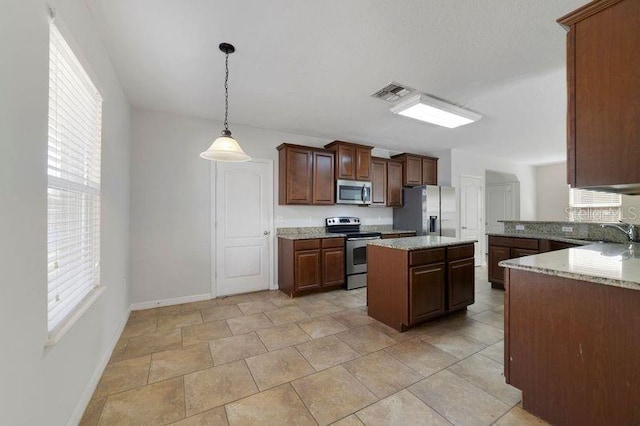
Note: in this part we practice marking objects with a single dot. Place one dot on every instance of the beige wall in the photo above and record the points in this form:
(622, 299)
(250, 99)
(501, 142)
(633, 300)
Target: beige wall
(552, 192)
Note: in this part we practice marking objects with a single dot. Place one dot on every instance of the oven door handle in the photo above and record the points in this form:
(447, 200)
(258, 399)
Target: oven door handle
(363, 238)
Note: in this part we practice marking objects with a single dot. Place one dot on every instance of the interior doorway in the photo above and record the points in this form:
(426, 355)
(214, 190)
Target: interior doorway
(502, 200)
(242, 222)
(471, 213)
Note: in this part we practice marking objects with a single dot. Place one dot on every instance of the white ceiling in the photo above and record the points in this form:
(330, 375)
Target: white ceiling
(308, 66)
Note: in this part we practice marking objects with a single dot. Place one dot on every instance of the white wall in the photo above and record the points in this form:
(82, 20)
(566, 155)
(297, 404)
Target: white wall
(553, 195)
(552, 192)
(471, 164)
(170, 196)
(50, 385)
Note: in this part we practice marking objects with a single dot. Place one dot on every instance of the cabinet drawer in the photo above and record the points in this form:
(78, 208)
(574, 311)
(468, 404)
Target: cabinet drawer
(307, 244)
(332, 242)
(460, 252)
(524, 243)
(423, 257)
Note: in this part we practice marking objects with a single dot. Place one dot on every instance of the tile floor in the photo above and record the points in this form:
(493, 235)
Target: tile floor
(264, 358)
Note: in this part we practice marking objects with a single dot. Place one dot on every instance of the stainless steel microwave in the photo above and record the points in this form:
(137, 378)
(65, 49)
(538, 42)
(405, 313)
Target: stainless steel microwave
(353, 192)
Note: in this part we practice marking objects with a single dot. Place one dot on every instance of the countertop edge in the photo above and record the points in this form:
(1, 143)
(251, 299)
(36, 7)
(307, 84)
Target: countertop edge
(418, 246)
(613, 282)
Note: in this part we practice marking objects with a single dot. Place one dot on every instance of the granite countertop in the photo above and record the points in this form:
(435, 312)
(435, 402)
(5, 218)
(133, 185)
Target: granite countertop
(310, 236)
(418, 243)
(559, 238)
(397, 231)
(603, 263)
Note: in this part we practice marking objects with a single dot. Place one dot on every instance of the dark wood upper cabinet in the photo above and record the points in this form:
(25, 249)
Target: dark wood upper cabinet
(363, 161)
(323, 183)
(418, 169)
(378, 182)
(295, 175)
(353, 160)
(305, 175)
(429, 171)
(394, 184)
(412, 171)
(603, 119)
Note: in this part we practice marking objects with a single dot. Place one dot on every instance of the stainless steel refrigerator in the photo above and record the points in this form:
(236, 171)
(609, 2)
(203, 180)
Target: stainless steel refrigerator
(429, 210)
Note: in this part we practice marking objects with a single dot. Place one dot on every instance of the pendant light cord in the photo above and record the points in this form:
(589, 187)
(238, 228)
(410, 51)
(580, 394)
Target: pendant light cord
(226, 91)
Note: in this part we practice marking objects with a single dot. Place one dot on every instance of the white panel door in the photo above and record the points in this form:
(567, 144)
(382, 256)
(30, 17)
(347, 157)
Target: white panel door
(242, 226)
(471, 209)
(501, 205)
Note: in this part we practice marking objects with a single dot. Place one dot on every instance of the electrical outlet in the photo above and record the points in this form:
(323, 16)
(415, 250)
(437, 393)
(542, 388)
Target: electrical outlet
(567, 229)
(519, 227)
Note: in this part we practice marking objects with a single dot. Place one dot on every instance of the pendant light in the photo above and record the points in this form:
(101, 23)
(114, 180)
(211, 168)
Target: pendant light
(225, 148)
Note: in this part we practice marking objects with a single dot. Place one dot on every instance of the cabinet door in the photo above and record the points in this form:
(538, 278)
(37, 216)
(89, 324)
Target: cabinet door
(299, 175)
(429, 171)
(333, 266)
(363, 167)
(604, 111)
(518, 252)
(378, 182)
(461, 283)
(394, 184)
(323, 182)
(346, 158)
(426, 292)
(496, 255)
(412, 171)
(307, 266)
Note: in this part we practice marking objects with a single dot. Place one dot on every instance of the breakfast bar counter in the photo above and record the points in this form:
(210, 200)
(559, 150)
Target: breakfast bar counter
(572, 333)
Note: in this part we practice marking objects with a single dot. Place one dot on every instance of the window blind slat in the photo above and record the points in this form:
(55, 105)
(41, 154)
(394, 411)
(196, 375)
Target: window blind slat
(73, 166)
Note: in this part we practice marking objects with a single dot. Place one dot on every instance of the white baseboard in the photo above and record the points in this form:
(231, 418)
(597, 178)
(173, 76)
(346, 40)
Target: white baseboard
(167, 302)
(76, 416)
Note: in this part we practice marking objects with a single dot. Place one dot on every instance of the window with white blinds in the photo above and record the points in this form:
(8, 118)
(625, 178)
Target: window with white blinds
(73, 196)
(594, 206)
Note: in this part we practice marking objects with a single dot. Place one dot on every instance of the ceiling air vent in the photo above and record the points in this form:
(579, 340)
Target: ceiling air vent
(392, 92)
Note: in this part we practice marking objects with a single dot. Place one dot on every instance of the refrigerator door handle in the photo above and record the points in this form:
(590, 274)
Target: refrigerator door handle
(432, 223)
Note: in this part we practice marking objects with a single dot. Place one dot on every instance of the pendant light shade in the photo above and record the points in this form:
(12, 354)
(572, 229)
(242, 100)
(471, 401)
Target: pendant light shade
(225, 147)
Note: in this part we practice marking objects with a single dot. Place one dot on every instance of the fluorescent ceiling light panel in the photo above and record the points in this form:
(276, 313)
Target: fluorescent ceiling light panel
(431, 110)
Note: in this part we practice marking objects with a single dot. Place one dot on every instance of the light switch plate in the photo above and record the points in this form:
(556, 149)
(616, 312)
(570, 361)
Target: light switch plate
(519, 227)
(567, 229)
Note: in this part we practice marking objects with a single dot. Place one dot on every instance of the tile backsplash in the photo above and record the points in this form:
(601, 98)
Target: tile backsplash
(577, 230)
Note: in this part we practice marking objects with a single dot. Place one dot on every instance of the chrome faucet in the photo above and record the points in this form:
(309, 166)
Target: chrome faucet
(630, 230)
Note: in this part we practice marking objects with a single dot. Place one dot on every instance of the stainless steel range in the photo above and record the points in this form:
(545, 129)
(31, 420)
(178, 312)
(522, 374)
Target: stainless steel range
(356, 248)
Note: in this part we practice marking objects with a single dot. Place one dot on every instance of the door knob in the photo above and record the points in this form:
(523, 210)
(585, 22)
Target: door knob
(266, 232)
(464, 227)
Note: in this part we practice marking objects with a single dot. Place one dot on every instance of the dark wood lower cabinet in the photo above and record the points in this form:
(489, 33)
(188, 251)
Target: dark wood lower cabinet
(307, 269)
(406, 288)
(496, 255)
(503, 248)
(461, 279)
(333, 266)
(308, 266)
(426, 292)
(572, 348)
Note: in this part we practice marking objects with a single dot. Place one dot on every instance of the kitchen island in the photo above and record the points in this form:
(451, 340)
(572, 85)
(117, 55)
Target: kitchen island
(572, 333)
(412, 280)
